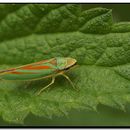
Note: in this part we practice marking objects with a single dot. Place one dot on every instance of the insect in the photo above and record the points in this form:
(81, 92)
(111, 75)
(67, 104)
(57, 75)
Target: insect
(40, 70)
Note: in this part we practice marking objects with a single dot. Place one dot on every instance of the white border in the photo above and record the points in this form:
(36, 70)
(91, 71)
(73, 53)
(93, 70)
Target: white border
(64, 1)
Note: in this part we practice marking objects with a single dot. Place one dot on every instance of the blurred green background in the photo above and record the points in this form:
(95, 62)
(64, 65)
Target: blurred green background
(120, 11)
(105, 116)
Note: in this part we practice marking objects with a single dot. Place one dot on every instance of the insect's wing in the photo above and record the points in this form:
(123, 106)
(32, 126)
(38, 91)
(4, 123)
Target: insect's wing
(45, 64)
(30, 71)
(36, 65)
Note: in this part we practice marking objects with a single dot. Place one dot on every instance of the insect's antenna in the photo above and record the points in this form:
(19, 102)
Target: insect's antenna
(75, 66)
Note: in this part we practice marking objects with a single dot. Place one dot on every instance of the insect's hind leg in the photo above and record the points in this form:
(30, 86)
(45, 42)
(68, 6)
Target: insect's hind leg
(69, 80)
(52, 81)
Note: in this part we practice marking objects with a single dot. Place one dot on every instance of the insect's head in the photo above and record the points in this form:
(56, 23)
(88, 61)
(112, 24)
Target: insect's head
(64, 63)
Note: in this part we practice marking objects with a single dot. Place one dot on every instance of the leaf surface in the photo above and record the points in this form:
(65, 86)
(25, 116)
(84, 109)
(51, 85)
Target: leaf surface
(33, 32)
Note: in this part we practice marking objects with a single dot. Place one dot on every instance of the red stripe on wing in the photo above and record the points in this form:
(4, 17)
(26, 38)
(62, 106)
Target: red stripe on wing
(16, 72)
(30, 67)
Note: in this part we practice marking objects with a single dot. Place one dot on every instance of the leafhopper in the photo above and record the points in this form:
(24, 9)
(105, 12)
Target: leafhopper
(40, 70)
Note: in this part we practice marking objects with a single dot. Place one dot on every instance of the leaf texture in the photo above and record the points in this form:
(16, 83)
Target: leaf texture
(33, 32)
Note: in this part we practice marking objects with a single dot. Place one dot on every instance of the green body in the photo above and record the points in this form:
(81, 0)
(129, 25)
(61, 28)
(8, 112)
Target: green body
(37, 70)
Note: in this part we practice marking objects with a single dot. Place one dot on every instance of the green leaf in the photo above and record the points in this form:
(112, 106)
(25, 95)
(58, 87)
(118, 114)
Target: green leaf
(33, 32)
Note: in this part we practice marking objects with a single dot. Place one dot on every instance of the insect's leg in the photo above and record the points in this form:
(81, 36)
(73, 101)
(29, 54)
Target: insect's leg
(53, 80)
(69, 80)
